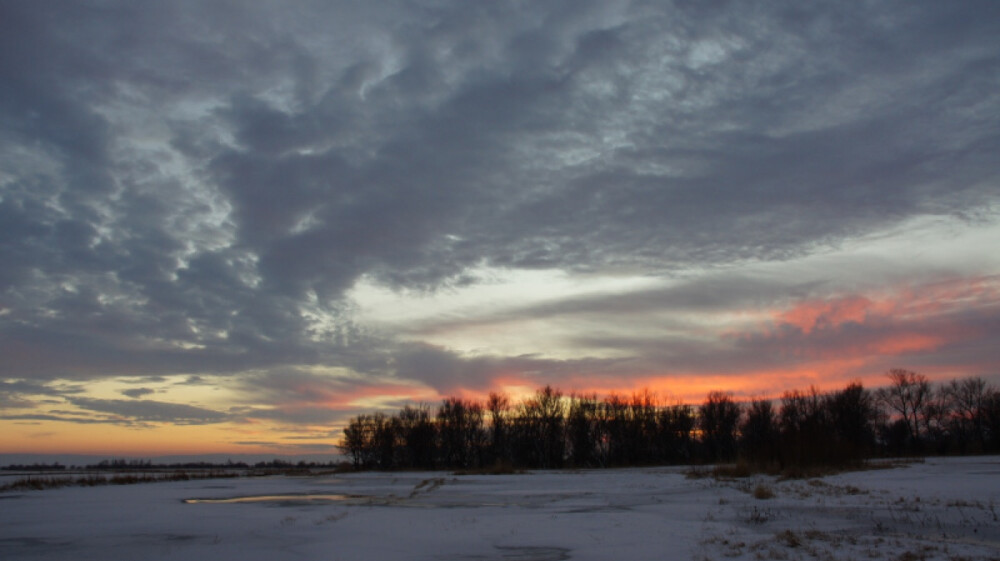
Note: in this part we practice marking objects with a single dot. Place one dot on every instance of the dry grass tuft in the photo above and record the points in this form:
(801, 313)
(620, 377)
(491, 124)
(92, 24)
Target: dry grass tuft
(789, 538)
(763, 492)
(743, 469)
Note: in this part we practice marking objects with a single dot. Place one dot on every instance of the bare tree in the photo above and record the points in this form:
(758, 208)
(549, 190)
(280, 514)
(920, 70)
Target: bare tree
(582, 430)
(460, 429)
(615, 420)
(803, 423)
(642, 429)
(969, 399)
(416, 437)
(852, 416)
(539, 428)
(906, 396)
(719, 418)
(759, 432)
(676, 429)
(355, 442)
(498, 406)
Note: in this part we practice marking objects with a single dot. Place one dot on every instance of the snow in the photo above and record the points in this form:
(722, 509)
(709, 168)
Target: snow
(939, 509)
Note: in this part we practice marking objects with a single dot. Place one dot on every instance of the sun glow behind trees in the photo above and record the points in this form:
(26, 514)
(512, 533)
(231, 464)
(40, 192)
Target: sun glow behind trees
(799, 430)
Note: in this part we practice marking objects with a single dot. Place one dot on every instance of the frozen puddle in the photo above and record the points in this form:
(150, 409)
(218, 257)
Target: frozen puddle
(316, 499)
(286, 499)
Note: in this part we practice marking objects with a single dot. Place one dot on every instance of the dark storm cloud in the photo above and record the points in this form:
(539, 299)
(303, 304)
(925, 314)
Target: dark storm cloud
(186, 185)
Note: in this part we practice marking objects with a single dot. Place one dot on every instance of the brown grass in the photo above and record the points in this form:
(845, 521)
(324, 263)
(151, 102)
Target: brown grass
(743, 469)
(789, 538)
(763, 492)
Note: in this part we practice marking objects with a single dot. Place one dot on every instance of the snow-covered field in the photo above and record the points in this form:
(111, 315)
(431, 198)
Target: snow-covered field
(939, 509)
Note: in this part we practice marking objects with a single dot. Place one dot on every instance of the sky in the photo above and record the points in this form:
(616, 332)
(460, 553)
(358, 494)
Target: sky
(229, 226)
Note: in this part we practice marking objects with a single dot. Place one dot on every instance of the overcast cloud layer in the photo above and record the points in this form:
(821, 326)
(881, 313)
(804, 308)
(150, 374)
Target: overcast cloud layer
(201, 194)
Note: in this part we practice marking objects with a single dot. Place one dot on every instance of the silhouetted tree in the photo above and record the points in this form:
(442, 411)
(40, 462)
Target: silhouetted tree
(416, 437)
(460, 431)
(718, 418)
(805, 437)
(852, 417)
(935, 421)
(498, 406)
(354, 442)
(546, 430)
(538, 430)
(969, 400)
(991, 420)
(614, 425)
(384, 443)
(905, 396)
(759, 433)
(642, 428)
(676, 425)
(583, 430)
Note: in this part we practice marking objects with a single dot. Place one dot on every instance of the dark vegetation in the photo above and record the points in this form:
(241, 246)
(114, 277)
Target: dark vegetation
(128, 472)
(140, 465)
(34, 467)
(798, 433)
(148, 465)
(93, 480)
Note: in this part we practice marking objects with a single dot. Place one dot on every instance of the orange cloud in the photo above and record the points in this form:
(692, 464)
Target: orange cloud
(824, 314)
(897, 344)
(896, 304)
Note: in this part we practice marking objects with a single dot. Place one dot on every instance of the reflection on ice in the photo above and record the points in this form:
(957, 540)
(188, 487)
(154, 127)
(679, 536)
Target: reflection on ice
(279, 499)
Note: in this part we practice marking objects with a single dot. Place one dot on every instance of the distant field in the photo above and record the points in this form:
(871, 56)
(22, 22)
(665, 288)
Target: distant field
(943, 509)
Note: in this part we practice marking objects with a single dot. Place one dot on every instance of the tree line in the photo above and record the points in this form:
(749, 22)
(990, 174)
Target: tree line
(909, 416)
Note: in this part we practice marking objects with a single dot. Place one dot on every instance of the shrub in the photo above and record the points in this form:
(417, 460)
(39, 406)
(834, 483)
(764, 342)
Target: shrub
(763, 492)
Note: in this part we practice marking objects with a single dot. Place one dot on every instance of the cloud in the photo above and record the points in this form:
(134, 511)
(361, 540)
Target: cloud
(151, 411)
(23, 394)
(194, 188)
(137, 392)
(297, 396)
(67, 419)
(279, 445)
(774, 334)
(27, 387)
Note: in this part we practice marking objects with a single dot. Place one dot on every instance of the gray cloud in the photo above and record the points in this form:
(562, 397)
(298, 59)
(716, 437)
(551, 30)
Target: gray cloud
(303, 447)
(137, 392)
(151, 411)
(67, 419)
(187, 186)
(22, 394)
(448, 371)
